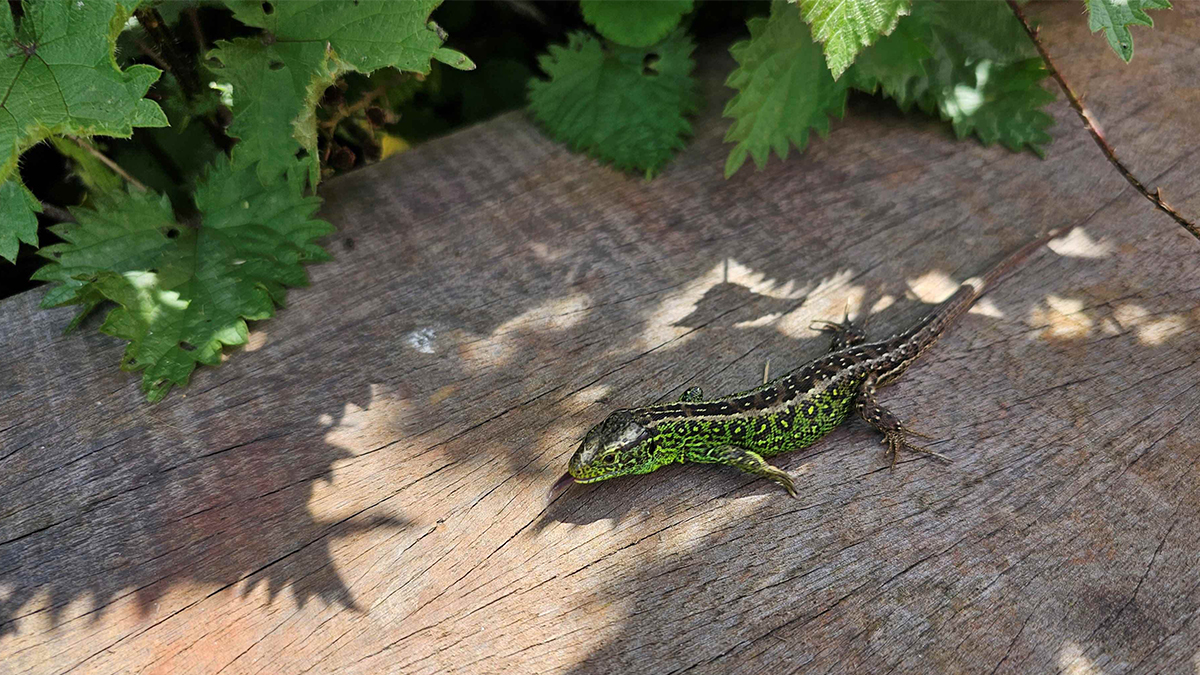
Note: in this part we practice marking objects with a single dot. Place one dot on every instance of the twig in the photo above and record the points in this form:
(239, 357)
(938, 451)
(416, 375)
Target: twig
(360, 104)
(197, 31)
(109, 163)
(1154, 197)
(57, 212)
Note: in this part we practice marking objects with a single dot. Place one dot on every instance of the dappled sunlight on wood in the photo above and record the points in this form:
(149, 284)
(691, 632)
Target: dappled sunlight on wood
(1063, 318)
(1071, 661)
(1079, 244)
(498, 348)
(829, 300)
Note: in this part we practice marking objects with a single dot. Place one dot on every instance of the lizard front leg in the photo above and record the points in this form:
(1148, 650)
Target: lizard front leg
(753, 463)
(887, 423)
(845, 334)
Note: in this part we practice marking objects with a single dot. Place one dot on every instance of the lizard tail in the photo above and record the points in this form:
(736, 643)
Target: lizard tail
(972, 288)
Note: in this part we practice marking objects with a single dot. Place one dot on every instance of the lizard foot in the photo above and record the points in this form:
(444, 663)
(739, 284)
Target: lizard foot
(895, 440)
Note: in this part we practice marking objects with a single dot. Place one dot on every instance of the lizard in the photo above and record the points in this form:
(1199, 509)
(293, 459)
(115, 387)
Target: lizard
(790, 412)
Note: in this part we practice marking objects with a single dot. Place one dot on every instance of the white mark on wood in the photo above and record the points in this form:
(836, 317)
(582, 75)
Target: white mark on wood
(422, 340)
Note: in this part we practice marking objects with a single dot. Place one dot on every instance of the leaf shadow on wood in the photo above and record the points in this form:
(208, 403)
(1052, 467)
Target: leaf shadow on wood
(171, 496)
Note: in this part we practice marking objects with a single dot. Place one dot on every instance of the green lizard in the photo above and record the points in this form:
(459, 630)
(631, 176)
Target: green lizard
(788, 413)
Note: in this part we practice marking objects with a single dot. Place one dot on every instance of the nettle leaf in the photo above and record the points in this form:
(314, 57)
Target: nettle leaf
(184, 292)
(634, 23)
(844, 27)
(17, 220)
(278, 79)
(58, 76)
(972, 63)
(621, 104)
(985, 74)
(895, 64)
(784, 89)
(1116, 16)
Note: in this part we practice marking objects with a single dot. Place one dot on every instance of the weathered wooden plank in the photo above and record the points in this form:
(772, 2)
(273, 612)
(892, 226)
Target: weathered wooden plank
(364, 492)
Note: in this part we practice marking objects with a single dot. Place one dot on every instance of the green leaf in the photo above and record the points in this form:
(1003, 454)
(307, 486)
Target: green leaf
(94, 174)
(784, 89)
(58, 76)
(1116, 16)
(184, 292)
(972, 63)
(634, 23)
(846, 26)
(278, 79)
(895, 64)
(985, 74)
(620, 104)
(17, 220)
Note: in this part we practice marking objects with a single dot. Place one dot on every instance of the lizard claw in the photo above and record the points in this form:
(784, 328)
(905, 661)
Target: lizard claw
(895, 440)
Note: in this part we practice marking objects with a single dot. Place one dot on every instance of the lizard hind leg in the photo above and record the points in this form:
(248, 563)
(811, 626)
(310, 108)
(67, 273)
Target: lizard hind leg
(753, 463)
(895, 435)
(845, 334)
(692, 395)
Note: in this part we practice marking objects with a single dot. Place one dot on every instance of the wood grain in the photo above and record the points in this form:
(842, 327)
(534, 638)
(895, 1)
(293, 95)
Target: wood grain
(365, 490)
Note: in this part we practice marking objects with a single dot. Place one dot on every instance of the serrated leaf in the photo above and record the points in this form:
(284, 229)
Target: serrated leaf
(784, 89)
(277, 81)
(972, 63)
(17, 220)
(183, 293)
(844, 27)
(1116, 16)
(985, 74)
(58, 76)
(620, 104)
(634, 23)
(895, 64)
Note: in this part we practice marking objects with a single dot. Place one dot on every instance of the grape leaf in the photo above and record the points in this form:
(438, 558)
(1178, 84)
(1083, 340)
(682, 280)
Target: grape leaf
(1116, 16)
(626, 105)
(634, 23)
(279, 78)
(784, 89)
(58, 76)
(17, 222)
(844, 27)
(184, 292)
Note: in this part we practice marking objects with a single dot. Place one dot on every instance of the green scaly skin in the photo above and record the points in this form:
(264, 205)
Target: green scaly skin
(788, 413)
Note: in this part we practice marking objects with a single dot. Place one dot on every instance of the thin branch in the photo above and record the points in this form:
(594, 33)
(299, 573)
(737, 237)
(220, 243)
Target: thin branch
(1154, 197)
(197, 31)
(57, 212)
(109, 163)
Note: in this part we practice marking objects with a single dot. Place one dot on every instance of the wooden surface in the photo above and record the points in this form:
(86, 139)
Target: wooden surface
(364, 490)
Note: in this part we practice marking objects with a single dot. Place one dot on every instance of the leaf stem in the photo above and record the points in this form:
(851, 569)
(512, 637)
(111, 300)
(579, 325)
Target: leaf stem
(109, 163)
(56, 212)
(1154, 197)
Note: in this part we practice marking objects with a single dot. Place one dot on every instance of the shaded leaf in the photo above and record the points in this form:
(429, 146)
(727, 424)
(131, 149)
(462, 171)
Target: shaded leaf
(620, 104)
(844, 27)
(634, 23)
(278, 79)
(183, 293)
(784, 89)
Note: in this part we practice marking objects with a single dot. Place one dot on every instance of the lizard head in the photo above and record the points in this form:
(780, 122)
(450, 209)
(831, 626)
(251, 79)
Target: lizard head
(618, 446)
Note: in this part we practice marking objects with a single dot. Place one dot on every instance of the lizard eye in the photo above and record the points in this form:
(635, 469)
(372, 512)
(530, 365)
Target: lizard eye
(609, 458)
